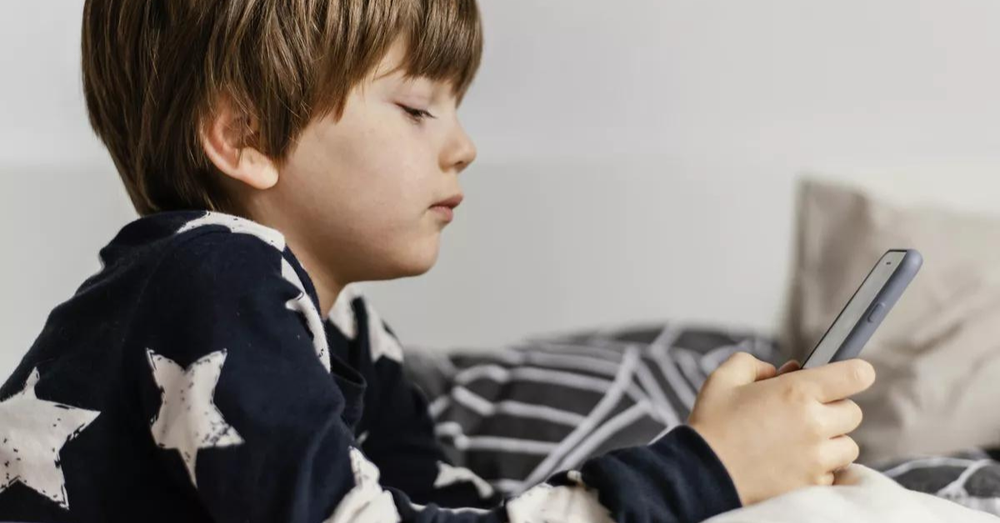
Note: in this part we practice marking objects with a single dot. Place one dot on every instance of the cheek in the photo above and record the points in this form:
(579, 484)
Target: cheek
(387, 165)
(383, 180)
(374, 175)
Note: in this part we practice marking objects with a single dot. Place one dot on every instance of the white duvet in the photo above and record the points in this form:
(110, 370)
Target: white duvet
(860, 495)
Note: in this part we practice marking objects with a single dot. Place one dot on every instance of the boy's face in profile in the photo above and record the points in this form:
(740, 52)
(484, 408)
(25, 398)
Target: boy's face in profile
(356, 196)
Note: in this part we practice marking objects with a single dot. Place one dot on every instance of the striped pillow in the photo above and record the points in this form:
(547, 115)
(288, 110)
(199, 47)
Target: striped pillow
(518, 414)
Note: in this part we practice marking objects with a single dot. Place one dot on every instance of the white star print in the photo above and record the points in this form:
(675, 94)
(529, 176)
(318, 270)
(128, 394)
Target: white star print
(562, 504)
(304, 306)
(301, 303)
(449, 475)
(188, 419)
(342, 313)
(383, 343)
(238, 225)
(367, 502)
(32, 433)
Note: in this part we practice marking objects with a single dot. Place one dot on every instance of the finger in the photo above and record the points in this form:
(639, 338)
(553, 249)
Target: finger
(789, 366)
(764, 370)
(843, 417)
(837, 380)
(826, 480)
(742, 369)
(839, 453)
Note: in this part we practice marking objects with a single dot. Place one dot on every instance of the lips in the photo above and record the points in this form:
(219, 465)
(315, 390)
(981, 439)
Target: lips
(446, 208)
(451, 202)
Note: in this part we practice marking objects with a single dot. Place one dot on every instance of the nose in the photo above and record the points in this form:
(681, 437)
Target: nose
(460, 151)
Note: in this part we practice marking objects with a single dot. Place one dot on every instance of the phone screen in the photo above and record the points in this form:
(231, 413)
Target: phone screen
(855, 310)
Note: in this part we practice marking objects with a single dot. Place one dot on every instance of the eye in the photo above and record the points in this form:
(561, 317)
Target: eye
(416, 115)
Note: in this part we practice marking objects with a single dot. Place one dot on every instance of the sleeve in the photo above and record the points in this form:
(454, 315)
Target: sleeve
(244, 414)
(396, 428)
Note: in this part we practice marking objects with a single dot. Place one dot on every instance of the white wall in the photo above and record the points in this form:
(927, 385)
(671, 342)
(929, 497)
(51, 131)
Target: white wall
(636, 158)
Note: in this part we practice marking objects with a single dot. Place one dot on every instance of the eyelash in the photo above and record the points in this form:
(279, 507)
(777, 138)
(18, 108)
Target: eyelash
(417, 115)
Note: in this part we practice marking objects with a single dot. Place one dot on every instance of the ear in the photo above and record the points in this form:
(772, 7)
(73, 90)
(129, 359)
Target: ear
(221, 138)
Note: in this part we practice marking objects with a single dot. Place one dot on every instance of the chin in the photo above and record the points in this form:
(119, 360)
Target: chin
(421, 264)
(413, 262)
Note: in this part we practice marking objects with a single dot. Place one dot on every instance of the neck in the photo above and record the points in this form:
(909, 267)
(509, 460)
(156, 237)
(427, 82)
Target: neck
(328, 287)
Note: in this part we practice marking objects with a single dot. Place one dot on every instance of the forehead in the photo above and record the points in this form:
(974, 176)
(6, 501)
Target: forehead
(392, 63)
(396, 67)
(392, 69)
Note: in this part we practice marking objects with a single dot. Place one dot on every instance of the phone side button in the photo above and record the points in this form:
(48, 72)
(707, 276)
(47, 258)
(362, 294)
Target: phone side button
(877, 313)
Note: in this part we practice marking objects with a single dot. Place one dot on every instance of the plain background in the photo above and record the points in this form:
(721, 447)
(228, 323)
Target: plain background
(637, 159)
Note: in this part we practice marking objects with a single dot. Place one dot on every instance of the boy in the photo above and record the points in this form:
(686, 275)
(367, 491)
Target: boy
(216, 368)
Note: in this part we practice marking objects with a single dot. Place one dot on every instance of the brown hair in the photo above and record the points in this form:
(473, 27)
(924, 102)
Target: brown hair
(154, 69)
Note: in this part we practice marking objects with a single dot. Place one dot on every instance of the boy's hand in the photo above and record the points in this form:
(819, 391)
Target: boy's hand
(777, 433)
(789, 366)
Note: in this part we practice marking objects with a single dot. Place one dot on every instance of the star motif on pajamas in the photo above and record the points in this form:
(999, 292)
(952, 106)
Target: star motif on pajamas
(238, 225)
(367, 501)
(32, 433)
(449, 475)
(188, 419)
(342, 312)
(382, 343)
(304, 306)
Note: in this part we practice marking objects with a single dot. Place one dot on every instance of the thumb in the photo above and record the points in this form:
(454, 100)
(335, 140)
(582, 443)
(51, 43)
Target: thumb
(789, 366)
(743, 369)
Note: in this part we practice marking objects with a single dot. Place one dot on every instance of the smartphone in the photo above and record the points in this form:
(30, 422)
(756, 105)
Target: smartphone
(867, 308)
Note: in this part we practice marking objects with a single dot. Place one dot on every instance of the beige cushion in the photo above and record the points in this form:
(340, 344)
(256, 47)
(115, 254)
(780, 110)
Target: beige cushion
(937, 354)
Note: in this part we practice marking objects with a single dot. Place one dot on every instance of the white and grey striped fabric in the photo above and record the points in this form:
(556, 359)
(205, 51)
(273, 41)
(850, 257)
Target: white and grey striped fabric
(970, 478)
(518, 414)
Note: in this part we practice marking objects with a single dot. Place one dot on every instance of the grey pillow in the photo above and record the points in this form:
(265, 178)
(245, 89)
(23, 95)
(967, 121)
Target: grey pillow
(938, 352)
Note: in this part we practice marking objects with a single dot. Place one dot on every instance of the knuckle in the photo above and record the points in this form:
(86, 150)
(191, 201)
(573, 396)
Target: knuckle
(854, 450)
(742, 358)
(815, 427)
(796, 392)
(732, 367)
(859, 415)
(712, 381)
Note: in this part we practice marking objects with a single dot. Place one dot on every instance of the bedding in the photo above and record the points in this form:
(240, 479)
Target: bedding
(970, 478)
(859, 495)
(515, 414)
